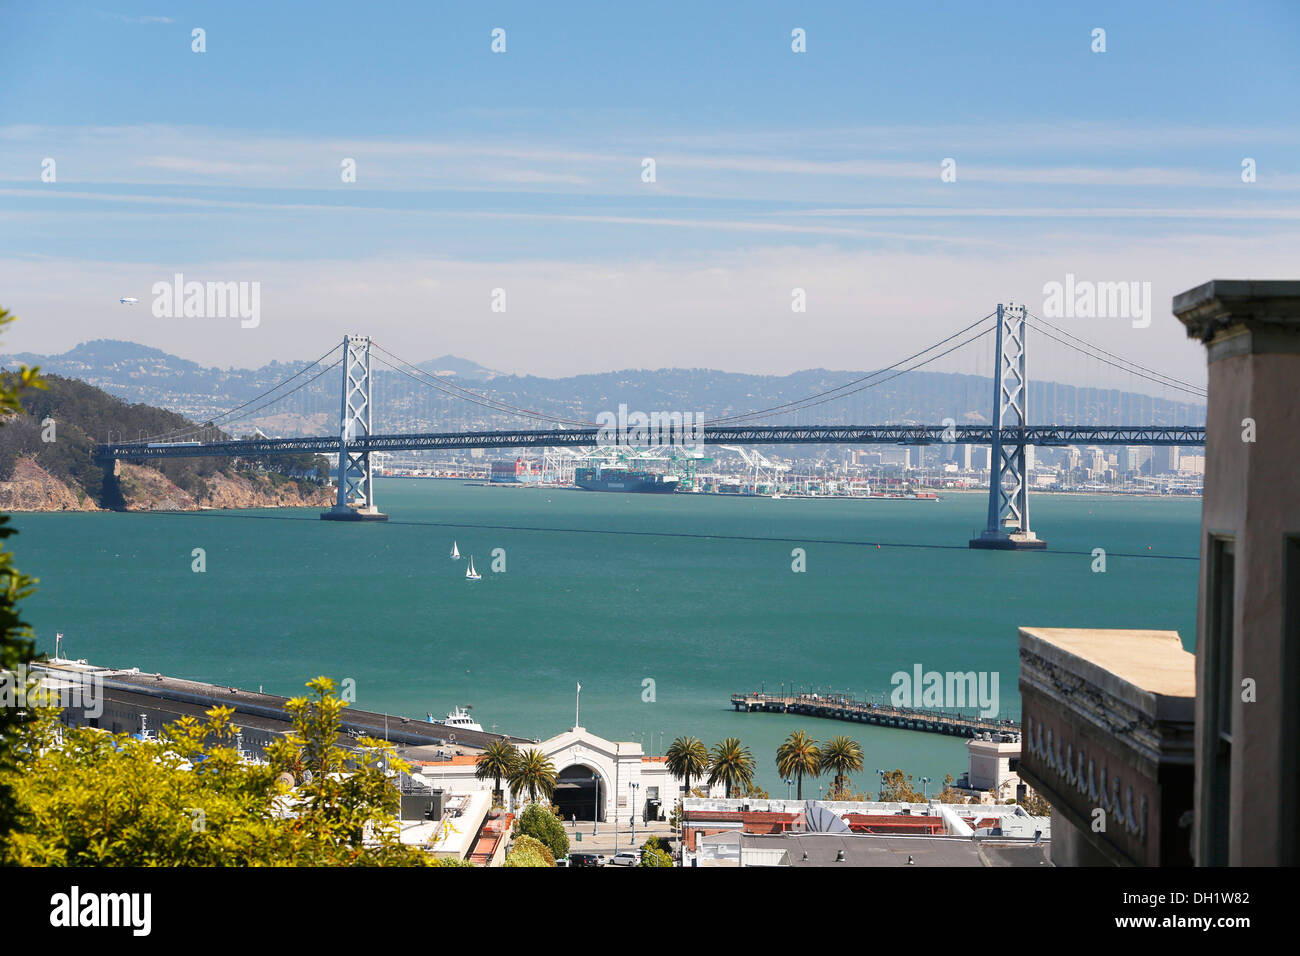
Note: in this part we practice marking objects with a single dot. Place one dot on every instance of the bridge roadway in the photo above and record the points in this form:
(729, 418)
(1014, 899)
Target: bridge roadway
(1042, 435)
(846, 708)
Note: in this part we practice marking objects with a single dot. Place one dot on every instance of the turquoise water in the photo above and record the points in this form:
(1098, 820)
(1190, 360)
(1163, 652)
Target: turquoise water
(693, 592)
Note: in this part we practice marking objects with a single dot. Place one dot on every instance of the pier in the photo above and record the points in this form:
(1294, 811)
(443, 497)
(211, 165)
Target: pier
(902, 718)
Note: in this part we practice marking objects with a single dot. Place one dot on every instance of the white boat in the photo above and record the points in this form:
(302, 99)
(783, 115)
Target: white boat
(470, 573)
(460, 718)
(455, 552)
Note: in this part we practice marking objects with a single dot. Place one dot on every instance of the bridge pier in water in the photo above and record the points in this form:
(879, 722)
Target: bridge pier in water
(1008, 524)
(356, 500)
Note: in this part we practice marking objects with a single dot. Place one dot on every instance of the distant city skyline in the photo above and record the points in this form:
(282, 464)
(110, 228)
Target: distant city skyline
(524, 171)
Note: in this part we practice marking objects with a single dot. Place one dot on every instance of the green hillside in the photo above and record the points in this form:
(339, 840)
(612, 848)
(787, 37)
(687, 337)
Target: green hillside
(83, 415)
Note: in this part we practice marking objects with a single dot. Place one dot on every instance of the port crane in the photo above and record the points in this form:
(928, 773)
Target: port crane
(755, 462)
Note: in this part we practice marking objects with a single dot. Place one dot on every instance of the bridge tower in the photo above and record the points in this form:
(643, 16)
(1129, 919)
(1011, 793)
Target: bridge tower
(356, 501)
(1008, 522)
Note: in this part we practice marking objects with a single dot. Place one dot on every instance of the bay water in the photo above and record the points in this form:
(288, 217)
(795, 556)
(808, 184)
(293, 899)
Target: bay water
(661, 606)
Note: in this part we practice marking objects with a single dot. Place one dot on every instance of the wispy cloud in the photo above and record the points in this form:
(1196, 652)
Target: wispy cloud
(121, 18)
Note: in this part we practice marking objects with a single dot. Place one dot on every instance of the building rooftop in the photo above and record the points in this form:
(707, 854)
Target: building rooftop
(395, 728)
(840, 849)
(1150, 669)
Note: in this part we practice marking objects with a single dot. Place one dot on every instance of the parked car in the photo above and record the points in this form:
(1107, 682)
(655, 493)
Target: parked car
(562, 861)
(585, 859)
(624, 859)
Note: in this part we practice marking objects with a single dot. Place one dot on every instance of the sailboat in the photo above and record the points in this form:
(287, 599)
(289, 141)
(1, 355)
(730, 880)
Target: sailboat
(455, 552)
(470, 573)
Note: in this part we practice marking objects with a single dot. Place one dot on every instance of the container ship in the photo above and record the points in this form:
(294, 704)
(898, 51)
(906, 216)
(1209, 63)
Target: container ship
(624, 479)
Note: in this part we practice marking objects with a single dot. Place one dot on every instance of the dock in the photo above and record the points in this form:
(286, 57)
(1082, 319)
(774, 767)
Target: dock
(863, 712)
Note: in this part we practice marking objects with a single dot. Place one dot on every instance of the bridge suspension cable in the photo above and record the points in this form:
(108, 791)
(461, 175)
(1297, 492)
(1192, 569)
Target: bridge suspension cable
(821, 398)
(225, 418)
(1123, 364)
(466, 394)
(810, 401)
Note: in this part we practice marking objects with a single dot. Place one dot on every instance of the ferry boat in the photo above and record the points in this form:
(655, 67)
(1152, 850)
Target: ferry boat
(460, 719)
(470, 573)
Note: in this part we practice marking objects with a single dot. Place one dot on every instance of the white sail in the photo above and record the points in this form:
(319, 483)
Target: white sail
(470, 573)
(455, 552)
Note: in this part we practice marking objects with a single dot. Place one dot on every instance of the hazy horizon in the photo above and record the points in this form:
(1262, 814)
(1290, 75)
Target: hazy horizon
(524, 171)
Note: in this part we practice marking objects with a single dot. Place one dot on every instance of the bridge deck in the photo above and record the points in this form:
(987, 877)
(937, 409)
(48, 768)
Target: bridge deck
(1042, 435)
(846, 708)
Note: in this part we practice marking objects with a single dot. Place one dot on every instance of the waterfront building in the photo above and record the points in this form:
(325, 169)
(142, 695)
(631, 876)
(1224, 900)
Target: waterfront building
(127, 700)
(597, 778)
(994, 760)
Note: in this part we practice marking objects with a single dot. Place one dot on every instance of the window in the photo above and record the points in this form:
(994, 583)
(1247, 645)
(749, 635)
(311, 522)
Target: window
(1220, 686)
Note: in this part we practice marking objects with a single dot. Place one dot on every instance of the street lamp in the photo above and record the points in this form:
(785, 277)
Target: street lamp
(595, 808)
(881, 794)
(788, 785)
(925, 788)
(633, 814)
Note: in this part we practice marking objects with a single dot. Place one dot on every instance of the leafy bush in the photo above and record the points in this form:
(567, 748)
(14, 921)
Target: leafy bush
(658, 843)
(544, 826)
(650, 856)
(529, 852)
(188, 799)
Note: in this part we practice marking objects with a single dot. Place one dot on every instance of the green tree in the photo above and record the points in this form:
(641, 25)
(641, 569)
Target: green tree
(496, 763)
(796, 757)
(16, 644)
(189, 799)
(539, 823)
(841, 756)
(652, 856)
(731, 763)
(687, 757)
(533, 772)
(526, 851)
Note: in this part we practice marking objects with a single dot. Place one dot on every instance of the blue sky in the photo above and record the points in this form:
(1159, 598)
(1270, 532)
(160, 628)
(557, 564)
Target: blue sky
(522, 171)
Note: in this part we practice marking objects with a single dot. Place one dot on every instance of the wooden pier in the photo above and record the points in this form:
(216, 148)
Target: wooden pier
(846, 708)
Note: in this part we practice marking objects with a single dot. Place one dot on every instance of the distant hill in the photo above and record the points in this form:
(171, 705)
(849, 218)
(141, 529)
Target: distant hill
(62, 423)
(461, 368)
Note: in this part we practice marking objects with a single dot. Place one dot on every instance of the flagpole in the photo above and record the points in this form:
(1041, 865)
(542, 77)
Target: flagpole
(577, 701)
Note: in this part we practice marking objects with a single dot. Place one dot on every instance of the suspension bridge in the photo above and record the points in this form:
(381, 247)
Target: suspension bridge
(1008, 433)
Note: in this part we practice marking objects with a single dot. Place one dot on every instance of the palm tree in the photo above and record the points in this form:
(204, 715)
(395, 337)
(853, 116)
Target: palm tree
(534, 772)
(798, 756)
(687, 757)
(732, 763)
(841, 756)
(496, 762)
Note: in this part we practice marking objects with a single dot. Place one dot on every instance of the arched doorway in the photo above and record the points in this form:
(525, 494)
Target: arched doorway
(579, 793)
